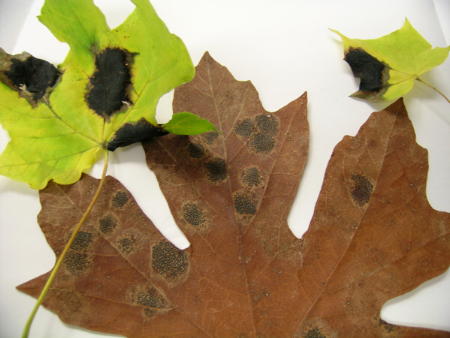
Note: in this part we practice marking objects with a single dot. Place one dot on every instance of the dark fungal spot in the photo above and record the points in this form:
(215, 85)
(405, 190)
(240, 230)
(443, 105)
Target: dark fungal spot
(119, 199)
(130, 133)
(33, 74)
(216, 169)
(262, 143)
(126, 244)
(81, 241)
(210, 137)
(151, 298)
(107, 224)
(251, 177)
(314, 333)
(366, 67)
(76, 262)
(196, 150)
(169, 261)
(108, 86)
(267, 123)
(244, 204)
(192, 214)
(362, 189)
(244, 128)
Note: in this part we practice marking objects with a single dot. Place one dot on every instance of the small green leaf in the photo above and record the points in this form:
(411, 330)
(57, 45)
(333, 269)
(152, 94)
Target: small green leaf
(188, 124)
(389, 65)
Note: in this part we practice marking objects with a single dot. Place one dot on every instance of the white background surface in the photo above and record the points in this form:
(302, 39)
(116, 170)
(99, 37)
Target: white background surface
(284, 47)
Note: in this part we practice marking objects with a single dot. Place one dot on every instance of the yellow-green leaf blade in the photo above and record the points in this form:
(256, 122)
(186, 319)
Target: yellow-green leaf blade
(188, 124)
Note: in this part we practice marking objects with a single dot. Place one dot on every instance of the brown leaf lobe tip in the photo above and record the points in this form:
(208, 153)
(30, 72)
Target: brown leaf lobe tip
(169, 261)
(119, 199)
(362, 189)
(81, 241)
(107, 224)
(76, 262)
(196, 150)
(192, 214)
(244, 204)
(267, 123)
(251, 177)
(244, 128)
(216, 169)
(262, 143)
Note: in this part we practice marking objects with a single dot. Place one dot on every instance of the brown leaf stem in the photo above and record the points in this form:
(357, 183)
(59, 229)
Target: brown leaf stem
(434, 88)
(49, 282)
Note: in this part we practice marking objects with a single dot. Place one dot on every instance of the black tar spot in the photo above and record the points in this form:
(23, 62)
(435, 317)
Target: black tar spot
(314, 333)
(76, 262)
(216, 169)
(267, 124)
(192, 214)
(244, 128)
(244, 204)
(119, 199)
(151, 298)
(169, 261)
(262, 143)
(196, 150)
(251, 177)
(362, 189)
(107, 224)
(81, 241)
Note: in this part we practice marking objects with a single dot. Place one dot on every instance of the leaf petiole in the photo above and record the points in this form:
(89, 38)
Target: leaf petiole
(434, 88)
(61, 257)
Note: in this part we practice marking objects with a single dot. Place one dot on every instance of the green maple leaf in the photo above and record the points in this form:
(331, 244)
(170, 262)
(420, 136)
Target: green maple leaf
(103, 96)
(388, 66)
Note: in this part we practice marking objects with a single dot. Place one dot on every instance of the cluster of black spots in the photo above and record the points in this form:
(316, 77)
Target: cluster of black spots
(82, 241)
(244, 128)
(126, 245)
(210, 137)
(362, 189)
(119, 199)
(168, 260)
(251, 177)
(107, 224)
(216, 169)
(262, 143)
(314, 333)
(267, 124)
(129, 133)
(109, 84)
(367, 68)
(151, 298)
(76, 262)
(193, 215)
(196, 150)
(244, 204)
(34, 75)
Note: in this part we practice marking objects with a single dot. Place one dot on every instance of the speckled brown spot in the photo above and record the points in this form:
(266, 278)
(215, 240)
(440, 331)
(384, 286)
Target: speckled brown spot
(244, 128)
(126, 244)
(244, 204)
(76, 262)
(81, 241)
(119, 199)
(267, 124)
(210, 137)
(362, 189)
(314, 333)
(216, 169)
(192, 214)
(262, 143)
(196, 150)
(169, 261)
(251, 177)
(107, 224)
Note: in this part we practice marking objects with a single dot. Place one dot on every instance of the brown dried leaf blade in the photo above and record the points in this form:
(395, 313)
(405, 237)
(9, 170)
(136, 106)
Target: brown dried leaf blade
(245, 274)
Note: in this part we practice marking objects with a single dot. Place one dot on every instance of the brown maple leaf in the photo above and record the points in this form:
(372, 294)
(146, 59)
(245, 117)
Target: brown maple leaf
(373, 235)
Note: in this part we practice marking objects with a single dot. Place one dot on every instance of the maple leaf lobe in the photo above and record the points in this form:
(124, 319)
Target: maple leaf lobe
(367, 68)
(130, 133)
(110, 81)
(35, 74)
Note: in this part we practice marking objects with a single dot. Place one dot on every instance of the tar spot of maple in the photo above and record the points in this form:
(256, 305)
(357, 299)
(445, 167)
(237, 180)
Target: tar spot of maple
(108, 85)
(314, 333)
(81, 241)
(196, 150)
(262, 143)
(362, 189)
(126, 244)
(107, 224)
(210, 137)
(267, 123)
(251, 177)
(216, 169)
(169, 261)
(35, 74)
(244, 128)
(119, 199)
(244, 204)
(76, 262)
(192, 214)
(366, 67)
(151, 298)
(130, 133)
